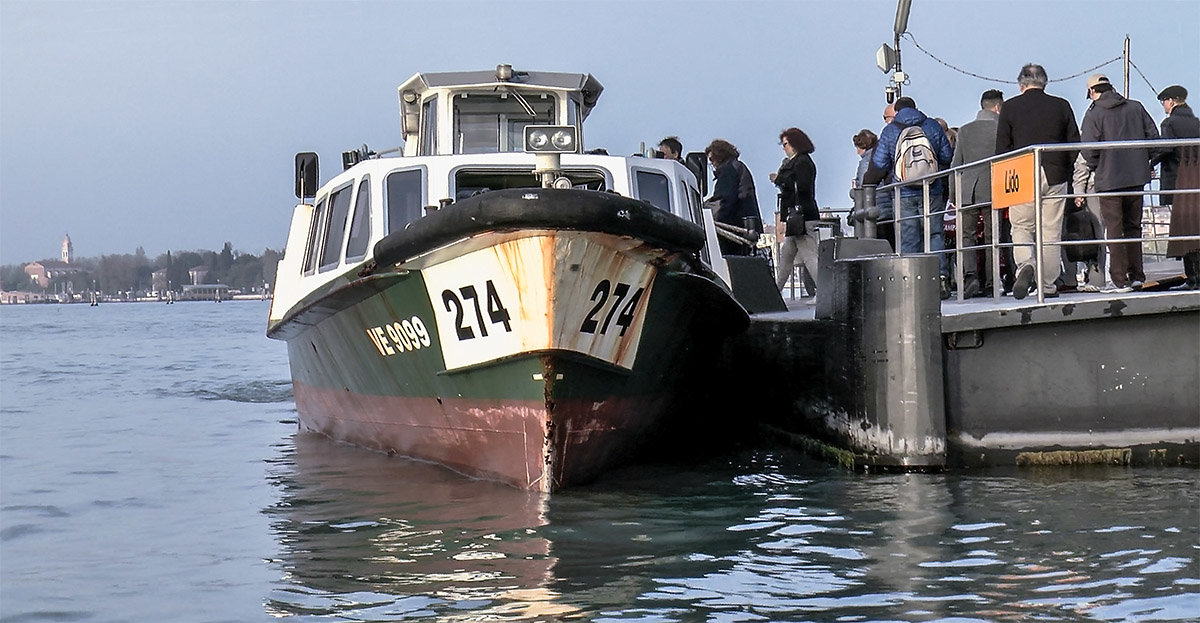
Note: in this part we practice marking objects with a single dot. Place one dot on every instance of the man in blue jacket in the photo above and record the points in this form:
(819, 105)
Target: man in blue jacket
(912, 197)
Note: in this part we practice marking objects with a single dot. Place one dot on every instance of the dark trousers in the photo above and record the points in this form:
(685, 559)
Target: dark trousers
(972, 224)
(972, 221)
(1123, 225)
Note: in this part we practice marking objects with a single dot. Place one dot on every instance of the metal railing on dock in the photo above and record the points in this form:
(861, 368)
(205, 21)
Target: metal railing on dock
(936, 206)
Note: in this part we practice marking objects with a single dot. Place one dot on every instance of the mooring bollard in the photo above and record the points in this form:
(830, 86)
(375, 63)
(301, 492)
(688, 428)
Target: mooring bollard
(889, 360)
(865, 213)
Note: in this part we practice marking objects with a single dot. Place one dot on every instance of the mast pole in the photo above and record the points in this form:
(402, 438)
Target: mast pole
(1126, 66)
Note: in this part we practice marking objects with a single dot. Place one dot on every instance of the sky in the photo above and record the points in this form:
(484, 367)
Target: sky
(172, 125)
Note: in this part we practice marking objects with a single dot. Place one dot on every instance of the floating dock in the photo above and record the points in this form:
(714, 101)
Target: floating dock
(882, 375)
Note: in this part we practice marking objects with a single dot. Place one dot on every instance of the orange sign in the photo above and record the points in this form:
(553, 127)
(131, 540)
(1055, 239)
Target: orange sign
(1012, 181)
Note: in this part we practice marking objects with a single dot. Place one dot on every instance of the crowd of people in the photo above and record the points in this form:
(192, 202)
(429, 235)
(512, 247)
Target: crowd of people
(911, 144)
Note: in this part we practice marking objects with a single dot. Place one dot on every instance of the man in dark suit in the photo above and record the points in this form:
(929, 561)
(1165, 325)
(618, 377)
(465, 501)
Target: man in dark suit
(976, 141)
(1034, 118)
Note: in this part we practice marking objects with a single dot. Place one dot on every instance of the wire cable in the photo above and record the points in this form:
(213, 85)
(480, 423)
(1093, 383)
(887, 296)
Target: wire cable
(975, 75)
(1147, 80)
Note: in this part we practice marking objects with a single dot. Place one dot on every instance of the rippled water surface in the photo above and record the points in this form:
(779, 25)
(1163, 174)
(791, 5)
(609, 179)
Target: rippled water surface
(151, 470)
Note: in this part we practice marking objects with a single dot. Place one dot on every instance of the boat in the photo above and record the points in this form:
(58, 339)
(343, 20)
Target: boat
(494, 299)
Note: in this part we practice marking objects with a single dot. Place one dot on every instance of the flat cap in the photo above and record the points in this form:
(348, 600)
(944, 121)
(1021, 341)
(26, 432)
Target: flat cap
(1173, 92)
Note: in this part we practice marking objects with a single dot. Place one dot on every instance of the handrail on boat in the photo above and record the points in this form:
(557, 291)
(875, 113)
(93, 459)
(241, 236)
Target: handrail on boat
(1188, 186)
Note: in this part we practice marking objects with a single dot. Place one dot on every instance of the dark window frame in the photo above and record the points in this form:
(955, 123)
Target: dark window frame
(423, 176)
(329, 243)
(315, 235)
(637, 187)
(361, 217)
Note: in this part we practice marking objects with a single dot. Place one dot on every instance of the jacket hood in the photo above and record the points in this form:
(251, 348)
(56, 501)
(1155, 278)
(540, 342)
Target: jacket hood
(910, 116)
(1111, 99)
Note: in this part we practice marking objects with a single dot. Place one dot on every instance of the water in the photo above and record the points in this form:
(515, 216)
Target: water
(151, 470)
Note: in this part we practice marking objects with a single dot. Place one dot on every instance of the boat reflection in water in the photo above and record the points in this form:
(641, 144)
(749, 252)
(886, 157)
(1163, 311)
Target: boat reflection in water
(368, 535)
(365, 535)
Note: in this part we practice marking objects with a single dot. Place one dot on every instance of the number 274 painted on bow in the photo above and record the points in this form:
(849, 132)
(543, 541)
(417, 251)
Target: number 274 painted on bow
(601, 296)
(461, 306)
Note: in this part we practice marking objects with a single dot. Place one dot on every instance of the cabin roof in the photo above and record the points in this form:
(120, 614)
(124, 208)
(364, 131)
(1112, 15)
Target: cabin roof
(587, 85)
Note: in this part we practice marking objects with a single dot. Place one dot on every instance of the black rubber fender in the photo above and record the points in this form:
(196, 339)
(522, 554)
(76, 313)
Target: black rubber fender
(540, 208)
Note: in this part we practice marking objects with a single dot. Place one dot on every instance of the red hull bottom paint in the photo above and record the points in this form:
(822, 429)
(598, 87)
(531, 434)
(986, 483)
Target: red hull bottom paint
(521, 443)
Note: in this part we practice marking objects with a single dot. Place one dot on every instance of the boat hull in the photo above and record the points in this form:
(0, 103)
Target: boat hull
(508, 355)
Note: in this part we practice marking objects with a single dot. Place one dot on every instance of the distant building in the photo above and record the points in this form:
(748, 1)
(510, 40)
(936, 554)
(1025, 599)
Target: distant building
(68, 250)
(17, 297)
(205, 292)
(158, 280)
(198, 274)
(45, 271)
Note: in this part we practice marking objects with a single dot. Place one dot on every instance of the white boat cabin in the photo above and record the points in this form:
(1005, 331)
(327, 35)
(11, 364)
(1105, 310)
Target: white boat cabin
(464, 134)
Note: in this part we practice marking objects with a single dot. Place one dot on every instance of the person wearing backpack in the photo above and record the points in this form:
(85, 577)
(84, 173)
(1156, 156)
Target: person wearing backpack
(911, 146)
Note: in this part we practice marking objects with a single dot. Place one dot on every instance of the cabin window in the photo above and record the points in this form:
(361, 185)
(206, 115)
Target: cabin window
(360, 225)
(689, 203)
(495, 121)
(429, 127)
(314, 236)
(654, 188)
(696, 203)
(404, 198)
(339, 209)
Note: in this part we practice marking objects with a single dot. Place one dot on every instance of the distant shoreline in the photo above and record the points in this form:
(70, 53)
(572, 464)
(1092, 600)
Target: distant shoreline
(5, 300)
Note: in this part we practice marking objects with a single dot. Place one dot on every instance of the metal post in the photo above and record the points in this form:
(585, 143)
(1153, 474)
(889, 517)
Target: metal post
(958, 234)
(864, 214)
(1038, 239)
(896, 218)
(871, 212)
(1126, 93)
(925, 225)
(997, 287)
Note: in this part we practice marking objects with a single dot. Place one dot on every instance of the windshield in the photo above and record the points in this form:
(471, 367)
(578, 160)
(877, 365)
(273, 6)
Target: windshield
(495, 121)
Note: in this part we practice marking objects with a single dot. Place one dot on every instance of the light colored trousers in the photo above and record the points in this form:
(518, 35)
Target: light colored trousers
(1024, 221)
(797, 250)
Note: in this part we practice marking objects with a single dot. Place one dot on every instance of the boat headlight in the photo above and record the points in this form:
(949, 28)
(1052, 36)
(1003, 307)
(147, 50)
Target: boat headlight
(551, 139)
(564, 140)
(537, 140)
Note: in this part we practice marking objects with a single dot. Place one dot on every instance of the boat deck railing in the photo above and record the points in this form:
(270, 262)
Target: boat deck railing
(1155, 221)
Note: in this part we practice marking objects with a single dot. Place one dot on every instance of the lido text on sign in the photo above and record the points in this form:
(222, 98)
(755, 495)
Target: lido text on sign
(1012, 181)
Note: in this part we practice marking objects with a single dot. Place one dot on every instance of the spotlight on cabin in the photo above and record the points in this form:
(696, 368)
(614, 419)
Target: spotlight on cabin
(558, 139)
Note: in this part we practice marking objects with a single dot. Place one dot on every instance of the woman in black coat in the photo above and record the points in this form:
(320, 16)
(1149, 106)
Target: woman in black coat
(797, 182)
(733, 191)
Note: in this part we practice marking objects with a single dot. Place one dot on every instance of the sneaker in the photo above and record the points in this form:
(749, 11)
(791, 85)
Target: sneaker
(944, 287)
(1087, 287)
(1022, 282)
(1136, 284)
(1117, 290)
(1053, 294)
